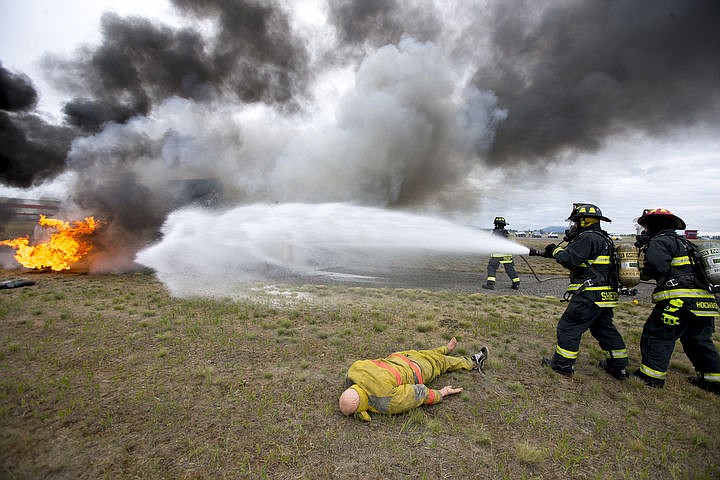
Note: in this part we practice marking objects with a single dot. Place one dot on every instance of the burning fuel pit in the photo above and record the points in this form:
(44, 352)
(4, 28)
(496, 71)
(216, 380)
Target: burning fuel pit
(65, 246)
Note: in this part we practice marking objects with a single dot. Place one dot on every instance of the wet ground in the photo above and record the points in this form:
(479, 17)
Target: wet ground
(438, 277)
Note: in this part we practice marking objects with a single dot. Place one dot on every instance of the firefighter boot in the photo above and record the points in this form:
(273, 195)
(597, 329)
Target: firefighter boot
(516, 286)
(649, 381)
(698, 381)
(618, 372)
(490, 285)
(566, 370)
(479, 359)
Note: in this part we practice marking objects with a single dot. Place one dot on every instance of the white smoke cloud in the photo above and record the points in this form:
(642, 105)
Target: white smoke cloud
(403, 126)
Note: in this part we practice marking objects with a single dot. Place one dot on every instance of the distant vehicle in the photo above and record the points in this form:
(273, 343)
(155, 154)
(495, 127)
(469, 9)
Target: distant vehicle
(537, 235)
(553, 235)
(521, 234)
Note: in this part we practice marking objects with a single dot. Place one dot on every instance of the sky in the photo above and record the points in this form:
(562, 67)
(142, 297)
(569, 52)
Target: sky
(463, 110)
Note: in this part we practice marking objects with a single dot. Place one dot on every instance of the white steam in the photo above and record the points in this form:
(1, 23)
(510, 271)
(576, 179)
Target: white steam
(402, 130)
(217, 253)
(406, 122)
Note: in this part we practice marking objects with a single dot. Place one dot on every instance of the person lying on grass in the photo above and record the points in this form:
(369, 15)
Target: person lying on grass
(396, 384)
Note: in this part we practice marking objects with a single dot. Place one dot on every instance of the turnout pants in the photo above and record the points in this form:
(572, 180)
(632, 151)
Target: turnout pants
(581, 315)
(435, 362)
(664, 326)
(493, 265)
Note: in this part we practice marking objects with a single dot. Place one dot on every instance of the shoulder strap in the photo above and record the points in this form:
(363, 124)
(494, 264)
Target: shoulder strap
(693, 256)
(612, 276)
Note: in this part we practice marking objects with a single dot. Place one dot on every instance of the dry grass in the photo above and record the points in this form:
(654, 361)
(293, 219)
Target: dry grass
(106, 376)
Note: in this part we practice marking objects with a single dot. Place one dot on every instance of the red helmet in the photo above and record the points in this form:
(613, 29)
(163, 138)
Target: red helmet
(660, 215)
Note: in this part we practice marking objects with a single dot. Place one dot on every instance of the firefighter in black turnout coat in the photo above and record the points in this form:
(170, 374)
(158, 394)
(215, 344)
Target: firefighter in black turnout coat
(592, 293)
(684, 307)
(501, 258)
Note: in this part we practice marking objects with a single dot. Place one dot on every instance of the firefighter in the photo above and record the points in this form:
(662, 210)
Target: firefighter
(592, 293)
(684, 307)
(396, 384)
(497, 258)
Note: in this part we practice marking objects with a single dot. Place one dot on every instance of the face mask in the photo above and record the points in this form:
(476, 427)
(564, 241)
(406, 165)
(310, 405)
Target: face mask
(643, 237)
(571, 232)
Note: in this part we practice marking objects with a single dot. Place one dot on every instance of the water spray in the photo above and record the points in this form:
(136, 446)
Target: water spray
(218, 253)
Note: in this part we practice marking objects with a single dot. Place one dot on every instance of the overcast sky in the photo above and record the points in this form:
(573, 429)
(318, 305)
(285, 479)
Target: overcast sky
(644, 161)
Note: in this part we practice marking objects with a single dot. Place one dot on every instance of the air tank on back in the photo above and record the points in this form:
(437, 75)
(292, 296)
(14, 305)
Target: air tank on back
(628, 265)
(709, 251)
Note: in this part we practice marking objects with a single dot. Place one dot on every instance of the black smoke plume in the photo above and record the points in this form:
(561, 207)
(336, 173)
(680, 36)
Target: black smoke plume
(573, 73)
(251, 56)
(440, 88)
(31, 150)
(576, 73)
(374, 23)
(16, 91)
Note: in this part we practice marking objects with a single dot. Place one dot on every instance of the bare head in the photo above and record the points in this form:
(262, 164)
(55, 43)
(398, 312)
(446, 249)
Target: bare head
(349, 401)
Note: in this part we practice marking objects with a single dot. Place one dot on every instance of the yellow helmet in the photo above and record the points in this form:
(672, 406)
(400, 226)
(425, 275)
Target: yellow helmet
(586, 210)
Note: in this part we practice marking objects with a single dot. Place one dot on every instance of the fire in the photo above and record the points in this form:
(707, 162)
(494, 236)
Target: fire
(64, 248)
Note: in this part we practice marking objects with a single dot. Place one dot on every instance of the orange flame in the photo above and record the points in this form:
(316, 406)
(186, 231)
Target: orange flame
(64, 248)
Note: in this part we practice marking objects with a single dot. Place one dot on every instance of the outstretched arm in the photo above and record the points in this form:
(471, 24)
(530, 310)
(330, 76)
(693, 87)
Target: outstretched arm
(450, 390)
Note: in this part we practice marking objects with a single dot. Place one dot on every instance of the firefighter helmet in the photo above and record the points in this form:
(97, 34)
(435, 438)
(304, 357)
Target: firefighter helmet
(654, 216)
(500, 221)
(586, 210)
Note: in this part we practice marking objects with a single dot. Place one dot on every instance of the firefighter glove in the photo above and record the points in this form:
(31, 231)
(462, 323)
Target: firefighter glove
(549, 249)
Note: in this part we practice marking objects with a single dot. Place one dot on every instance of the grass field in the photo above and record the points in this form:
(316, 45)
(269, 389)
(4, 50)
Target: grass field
(107, 376)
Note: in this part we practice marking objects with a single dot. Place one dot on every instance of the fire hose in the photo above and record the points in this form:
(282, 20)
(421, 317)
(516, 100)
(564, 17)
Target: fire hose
(535, 274)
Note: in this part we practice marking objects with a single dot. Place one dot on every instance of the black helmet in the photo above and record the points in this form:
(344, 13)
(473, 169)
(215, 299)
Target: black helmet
(662, 218)
(500, 221)
(583, 210)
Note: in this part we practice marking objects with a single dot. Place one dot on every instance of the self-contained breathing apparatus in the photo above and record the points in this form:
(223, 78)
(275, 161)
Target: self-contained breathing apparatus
(620, 275)
(581, 216)
(705, 258)
(623, 269)
(628, 268)
(709, 256)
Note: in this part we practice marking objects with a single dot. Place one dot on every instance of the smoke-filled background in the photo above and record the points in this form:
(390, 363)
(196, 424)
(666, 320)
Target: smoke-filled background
(465, 110)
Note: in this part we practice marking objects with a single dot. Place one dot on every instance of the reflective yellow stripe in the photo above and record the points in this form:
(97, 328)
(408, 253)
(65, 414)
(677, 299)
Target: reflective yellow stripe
(491, 279)
(680, 261)
(557, 250)
(566, 353)
(612, 303)
(705, 313)
(652, 373)
(682, 292)
(574, 286)
(711, 377)
(600, 260)
(616, 353)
